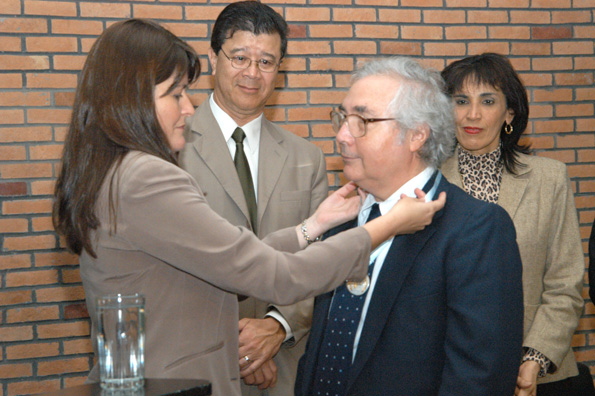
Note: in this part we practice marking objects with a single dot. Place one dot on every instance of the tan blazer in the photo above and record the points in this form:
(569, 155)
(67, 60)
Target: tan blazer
(291, 184)
(541, 203)
(190, 263)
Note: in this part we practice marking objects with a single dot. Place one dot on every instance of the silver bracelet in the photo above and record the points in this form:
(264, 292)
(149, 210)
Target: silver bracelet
(307, 236)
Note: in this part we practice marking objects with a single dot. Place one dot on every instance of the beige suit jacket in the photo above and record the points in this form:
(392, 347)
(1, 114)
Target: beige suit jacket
(291, 184)
(541, 203)
(189, 263)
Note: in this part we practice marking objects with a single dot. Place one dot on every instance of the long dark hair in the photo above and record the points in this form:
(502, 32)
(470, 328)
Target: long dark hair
(114, 113)
(496, 71)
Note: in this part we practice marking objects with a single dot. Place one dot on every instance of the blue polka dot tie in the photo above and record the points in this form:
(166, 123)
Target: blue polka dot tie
(336, 350)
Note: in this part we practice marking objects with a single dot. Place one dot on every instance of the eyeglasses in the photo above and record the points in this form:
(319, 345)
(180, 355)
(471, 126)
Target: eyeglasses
(243, 62)
(356, 123)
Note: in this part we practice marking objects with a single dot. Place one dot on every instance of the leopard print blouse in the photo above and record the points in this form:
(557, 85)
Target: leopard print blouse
(481, 174)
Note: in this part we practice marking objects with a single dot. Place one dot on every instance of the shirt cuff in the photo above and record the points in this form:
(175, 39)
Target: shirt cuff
(273, 313)
(536, 356)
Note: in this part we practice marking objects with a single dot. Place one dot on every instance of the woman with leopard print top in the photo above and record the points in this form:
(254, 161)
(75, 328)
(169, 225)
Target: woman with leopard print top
(491, 112)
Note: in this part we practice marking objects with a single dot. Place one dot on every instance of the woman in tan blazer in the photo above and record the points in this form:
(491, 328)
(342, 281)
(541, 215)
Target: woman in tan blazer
(142, 225)
(491, 112)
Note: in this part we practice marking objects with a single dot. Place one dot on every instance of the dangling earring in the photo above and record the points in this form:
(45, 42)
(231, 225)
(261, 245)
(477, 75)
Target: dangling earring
(508, 129)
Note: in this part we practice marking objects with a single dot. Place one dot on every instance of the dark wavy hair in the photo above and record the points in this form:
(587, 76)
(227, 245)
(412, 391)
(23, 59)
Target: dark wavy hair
(248, 16)
(114, 113)
(496, 71)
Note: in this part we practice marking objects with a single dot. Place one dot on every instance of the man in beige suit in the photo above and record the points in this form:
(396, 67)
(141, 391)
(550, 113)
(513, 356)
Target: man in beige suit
(248, 42)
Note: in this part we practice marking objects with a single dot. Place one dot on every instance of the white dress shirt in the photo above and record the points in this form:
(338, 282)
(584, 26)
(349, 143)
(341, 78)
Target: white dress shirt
(379, 254)
(251, 149)
(251, 142)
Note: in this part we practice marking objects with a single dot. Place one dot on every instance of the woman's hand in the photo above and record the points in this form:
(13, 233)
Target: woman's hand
(526, 383)
(407, 216)
(414, 214)
(339, 207)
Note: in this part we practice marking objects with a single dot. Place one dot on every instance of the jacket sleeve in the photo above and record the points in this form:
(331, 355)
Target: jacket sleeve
(561, 300)
(484, 318)
(162, 212)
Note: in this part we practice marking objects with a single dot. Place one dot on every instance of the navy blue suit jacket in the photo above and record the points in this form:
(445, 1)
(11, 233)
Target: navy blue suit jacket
(446, 316)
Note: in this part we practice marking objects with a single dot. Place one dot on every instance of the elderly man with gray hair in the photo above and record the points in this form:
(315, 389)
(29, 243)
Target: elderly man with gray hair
(441, 312)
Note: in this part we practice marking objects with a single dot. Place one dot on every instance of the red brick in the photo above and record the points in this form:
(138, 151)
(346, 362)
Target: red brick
(334, 30)
(51, 44)
(41, 224)
(334, 163)
(422, 32)
(509, 32)
(10, 44)
(11, 7)
(187, 29)
(25, 134)
(46, 8)
(16, 333)
(500, 47)
(417, 3)
(541, 111)
(203, 13)
(536, 80)
(32, 387)
(308, 47)
(37, 350)
(574, 110)
(552, 63)
(13, 188)
(444, 16)
(578, 141)
(353, 15)
(42, 187)
(72, 380)
(33, 314)
(45, 116)
(12, 117)
(573, 48)
(330, 97)
(585, 94)
(487, 17)
(12, 225)
(55, 259)
(23, 25)
(570, 17)
(400, 48)
(15, 261)
(54, 294)
(31, 278)
(71, 276)
(377, 31)
(44, 152)
(51, 80)
(76, 347)
(11, 80)
(97, 9)
(78, 27)
(12, 171)
(530, 48)
(584, 32)
(552, 95)
(76, 311)
(551, 32)
(24, 62)
(64, 98)
(550, 4)
(398, 15)
(529, 17)
(62, 366)
(304, 14)
(359, 47)
(574, 78)
(157, 11)
(582, 63)
(331, 64)
(8, 370)
(15, 297)
(465, 32)
(25, 99)
(444, 49)
(29, 243)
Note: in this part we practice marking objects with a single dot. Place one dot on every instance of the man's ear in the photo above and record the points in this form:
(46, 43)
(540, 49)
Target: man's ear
(417, 137)
(212, 60)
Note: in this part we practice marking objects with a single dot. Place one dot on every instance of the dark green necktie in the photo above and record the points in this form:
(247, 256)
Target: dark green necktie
(243, 169)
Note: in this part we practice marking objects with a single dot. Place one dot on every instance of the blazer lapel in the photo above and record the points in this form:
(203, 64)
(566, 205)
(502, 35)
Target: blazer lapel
(397, 264)
(212, 148)
(513, 188)
(271, 160)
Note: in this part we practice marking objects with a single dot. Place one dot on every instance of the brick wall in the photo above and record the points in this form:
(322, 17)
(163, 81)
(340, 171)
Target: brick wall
(44, 329)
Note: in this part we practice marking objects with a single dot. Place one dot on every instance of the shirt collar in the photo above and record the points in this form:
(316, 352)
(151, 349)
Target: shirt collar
(228, 126)
(419, 181)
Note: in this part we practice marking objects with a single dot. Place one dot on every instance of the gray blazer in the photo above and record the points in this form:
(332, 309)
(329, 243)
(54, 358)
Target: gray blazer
(541, 203)
(190, 263)
(292, 183)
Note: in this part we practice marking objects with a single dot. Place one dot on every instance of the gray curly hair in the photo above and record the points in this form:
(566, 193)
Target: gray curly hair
(420, 100)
